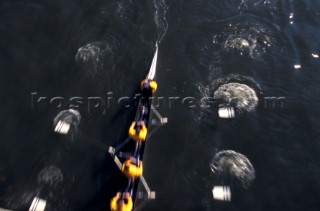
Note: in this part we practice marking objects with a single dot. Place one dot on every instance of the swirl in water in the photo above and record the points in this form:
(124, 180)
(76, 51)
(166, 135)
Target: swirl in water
(248, 39)
(235, 164)
(50, 175)
(99, 57)
(241, 96)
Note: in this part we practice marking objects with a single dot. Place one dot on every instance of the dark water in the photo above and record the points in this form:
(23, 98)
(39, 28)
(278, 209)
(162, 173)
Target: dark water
(245, 49)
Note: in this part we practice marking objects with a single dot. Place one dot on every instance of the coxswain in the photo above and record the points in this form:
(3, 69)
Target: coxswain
(149, 85)
(138, 131)
(121, 202)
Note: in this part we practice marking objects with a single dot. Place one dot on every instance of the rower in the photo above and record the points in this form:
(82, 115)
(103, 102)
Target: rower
(132, 168)
(138, 131)
(147, 85)
(121, 202)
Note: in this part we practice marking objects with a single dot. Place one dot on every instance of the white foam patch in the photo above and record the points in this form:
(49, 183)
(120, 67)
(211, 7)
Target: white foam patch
(90, 52)
(241, 96)
(236, 164)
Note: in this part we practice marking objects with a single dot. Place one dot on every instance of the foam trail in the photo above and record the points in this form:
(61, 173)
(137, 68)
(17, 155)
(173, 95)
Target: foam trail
(160, 18)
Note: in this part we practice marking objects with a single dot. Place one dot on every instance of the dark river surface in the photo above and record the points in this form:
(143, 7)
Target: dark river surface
(259, 56)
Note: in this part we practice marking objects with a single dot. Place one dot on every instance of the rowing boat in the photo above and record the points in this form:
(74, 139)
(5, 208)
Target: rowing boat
(135, 148)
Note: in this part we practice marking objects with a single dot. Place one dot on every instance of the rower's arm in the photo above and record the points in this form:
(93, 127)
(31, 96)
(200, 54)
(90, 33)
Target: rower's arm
(131, 129)
(143, 132)
(113, 204)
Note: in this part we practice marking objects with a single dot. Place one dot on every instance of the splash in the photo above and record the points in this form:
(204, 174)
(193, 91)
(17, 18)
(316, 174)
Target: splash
(50, 175)
(235, 164)
(235, 90)
(160, 18)
(241, 96)
(71, 117)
